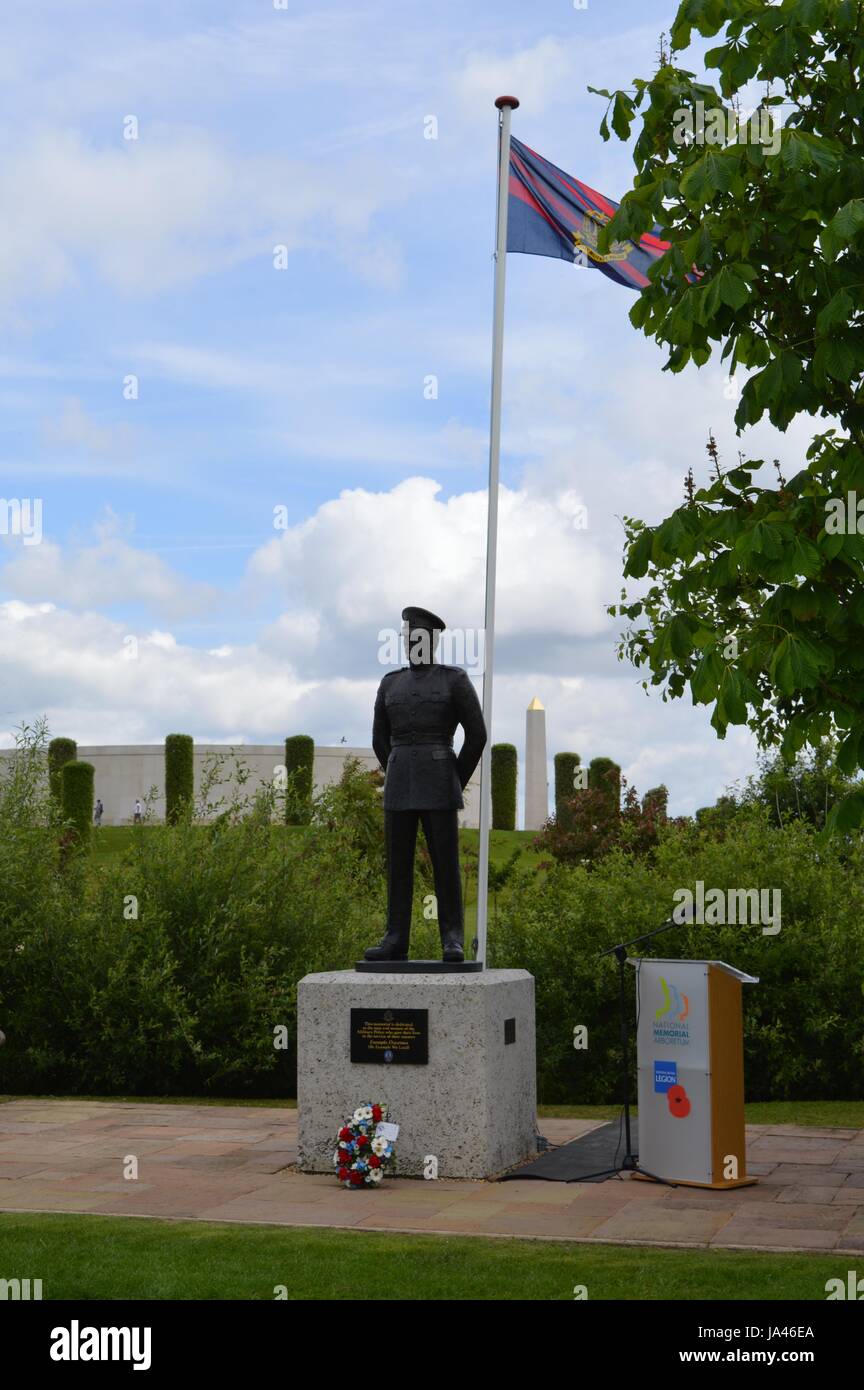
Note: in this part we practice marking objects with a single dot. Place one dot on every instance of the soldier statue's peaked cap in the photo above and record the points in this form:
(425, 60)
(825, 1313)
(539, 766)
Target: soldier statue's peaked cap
(421, 617)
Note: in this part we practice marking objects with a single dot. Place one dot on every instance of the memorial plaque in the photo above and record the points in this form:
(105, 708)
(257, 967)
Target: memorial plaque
(390, 1036)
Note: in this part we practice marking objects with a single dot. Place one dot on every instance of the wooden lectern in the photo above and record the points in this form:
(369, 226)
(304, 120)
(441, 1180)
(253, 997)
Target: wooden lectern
(690, 1059)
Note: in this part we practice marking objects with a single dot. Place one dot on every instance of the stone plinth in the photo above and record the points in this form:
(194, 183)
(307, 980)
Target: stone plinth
(472, 1105)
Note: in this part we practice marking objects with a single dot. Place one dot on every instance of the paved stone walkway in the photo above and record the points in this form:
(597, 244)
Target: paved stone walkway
(221, 1163)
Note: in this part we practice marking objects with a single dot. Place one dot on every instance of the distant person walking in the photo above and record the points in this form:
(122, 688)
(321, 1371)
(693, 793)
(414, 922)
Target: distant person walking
(97, 812)
(137, 812)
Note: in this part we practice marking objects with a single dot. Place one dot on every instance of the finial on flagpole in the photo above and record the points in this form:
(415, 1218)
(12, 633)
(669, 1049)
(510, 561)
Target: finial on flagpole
(501, 102)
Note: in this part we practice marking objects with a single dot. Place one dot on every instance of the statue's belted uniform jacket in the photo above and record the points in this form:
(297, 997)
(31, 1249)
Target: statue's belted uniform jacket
(417, 710)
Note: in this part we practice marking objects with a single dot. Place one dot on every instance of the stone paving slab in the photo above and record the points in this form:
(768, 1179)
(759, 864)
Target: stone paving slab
(683, 1224)
(223, 1163)
(800, 1215)
(801, 1175)
(767, 1237)
(807, 1132)
(820, 1195)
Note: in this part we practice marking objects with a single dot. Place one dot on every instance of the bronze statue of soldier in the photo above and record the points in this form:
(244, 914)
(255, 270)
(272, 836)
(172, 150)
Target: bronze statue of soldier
(417, 710)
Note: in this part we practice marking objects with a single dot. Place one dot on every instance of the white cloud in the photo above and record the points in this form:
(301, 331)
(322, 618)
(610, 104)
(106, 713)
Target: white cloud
(281, 375)
(174, 206)
(75, 669)
(77, 429)
(108, 572)
(536, 75)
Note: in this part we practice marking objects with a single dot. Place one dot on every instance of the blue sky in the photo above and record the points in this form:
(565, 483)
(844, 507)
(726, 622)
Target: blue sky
(303, 387)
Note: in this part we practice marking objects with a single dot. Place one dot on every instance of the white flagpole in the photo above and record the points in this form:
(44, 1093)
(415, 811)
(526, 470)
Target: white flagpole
(505, 106)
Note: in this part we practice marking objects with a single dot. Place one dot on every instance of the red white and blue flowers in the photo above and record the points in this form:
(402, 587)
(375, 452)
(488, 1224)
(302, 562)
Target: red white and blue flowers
(363, 1156)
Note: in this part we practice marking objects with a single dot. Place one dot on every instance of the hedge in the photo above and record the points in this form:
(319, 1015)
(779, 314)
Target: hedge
(175, 971)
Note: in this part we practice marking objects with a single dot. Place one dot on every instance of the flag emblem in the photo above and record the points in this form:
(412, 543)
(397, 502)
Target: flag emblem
(550, 213)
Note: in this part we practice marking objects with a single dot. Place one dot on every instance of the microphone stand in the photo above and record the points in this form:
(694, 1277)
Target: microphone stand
(630, 1162)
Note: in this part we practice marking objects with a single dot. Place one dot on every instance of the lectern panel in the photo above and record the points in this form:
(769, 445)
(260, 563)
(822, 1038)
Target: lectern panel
(674, 1086)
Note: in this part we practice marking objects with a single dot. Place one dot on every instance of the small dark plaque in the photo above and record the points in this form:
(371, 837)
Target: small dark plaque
(509, 1030)
(390, 1036)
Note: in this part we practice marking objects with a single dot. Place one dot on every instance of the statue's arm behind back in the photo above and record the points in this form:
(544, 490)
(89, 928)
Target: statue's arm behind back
(471, 719)
(381, 729)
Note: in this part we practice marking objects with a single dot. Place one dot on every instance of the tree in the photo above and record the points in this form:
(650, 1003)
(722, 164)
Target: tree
(755, 593)
(805, 790)
(716, 819)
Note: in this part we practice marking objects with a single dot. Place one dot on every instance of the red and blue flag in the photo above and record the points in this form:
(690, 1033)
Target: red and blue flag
(552, 214)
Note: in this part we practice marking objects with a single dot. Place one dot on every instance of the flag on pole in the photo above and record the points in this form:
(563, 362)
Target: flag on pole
(543, 212)
(553, 214)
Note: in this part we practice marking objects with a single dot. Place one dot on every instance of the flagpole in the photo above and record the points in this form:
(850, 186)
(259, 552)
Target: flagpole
(505, 106)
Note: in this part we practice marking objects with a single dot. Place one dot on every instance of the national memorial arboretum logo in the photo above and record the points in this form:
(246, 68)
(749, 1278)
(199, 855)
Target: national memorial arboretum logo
(670, 1020)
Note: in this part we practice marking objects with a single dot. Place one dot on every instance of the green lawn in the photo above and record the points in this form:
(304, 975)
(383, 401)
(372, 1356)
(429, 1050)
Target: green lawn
(823, 1114)
(110, 841)
(92, 1257)
(502, 844)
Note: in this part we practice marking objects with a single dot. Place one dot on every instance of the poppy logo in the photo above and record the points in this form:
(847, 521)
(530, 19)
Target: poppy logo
(678, 1101)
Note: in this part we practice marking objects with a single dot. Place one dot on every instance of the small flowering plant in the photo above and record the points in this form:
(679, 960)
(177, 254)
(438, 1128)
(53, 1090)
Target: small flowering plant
(361, 1159)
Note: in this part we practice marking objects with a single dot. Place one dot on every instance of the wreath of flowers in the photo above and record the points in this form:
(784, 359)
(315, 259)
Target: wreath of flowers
(362, 1159)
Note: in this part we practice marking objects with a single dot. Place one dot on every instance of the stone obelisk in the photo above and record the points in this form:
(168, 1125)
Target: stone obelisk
(536, 786)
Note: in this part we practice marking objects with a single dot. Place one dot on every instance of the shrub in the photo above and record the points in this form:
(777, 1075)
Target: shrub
(171, 970)
(802, 1031)
(565, 782)
(60, 751)
(604, 777)
(505, 763)
(174, 969)
(77, 795)
(588, 830)
(179, 776)
(656, 801)
(299, 765)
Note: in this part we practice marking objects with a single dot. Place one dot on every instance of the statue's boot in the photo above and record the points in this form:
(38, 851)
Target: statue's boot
(392, 946)
(451, 947)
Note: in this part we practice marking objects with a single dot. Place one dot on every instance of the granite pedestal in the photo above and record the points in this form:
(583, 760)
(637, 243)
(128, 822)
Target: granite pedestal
(472, 1105)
